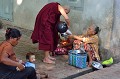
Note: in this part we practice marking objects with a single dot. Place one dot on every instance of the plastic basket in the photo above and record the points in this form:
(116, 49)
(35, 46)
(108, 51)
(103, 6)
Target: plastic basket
(77, 59)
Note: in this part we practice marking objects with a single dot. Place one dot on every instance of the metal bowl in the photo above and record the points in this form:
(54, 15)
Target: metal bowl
(97, 65)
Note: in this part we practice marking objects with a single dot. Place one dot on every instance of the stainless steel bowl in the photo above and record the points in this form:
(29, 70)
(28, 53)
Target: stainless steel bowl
(97, 65)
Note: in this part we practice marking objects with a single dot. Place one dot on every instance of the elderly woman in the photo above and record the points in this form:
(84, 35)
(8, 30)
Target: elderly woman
(8, 60)
(89, 40)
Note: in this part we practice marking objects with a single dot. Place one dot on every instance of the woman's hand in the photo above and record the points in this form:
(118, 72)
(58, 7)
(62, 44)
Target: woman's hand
(70, 36)
(21, 61)
(20, 67)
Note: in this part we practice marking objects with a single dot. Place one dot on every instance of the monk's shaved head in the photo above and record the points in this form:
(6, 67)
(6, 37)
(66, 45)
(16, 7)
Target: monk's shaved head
(66, 8)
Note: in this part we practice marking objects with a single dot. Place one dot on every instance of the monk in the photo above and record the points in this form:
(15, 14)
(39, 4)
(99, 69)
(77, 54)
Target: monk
(45, 32)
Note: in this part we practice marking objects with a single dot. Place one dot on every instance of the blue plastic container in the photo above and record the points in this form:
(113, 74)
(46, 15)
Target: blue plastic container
(73, 59)
(77, 59)
(81, 59)
(70, 58)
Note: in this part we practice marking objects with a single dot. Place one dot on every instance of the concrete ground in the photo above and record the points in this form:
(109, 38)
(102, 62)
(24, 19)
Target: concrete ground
(60, 70)
(55, 71)
(112, 72)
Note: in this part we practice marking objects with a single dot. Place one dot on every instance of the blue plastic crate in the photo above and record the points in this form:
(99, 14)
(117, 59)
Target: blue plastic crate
(77, 59)
(81, 60)
(70, 58)
(74, 59)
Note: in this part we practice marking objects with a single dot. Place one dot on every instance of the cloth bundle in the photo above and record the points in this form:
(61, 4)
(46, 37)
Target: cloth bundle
(61, 51)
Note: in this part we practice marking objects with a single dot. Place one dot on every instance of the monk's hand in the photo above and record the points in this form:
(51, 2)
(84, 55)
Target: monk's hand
(68, 26)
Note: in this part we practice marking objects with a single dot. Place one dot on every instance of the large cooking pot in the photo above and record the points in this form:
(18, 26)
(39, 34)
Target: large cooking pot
(62, 27)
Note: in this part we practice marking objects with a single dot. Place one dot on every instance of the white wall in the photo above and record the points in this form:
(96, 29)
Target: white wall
(99, 11)
(24, 14)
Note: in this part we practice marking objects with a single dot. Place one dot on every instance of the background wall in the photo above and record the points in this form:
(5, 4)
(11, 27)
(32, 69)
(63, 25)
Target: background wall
(25, 13)
(99, 12)
(115, 39)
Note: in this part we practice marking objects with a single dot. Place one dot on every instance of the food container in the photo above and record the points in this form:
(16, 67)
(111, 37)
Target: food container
(81, 59)
(77, 59)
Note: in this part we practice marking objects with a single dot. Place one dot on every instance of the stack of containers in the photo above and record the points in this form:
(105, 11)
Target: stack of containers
(77, 58)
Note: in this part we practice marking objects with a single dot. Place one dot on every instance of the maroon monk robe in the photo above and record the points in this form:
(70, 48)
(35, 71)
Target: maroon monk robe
(45, 32)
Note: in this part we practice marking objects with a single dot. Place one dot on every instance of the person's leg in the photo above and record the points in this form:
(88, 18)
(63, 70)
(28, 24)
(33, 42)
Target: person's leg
(90, 59)
(8, 73)
(32, 73)
(5, 73)
(50, 57)
(89, 52)
(28, 73)
(47, 58)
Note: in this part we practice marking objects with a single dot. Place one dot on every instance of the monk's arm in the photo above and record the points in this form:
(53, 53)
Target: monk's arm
(63, 13)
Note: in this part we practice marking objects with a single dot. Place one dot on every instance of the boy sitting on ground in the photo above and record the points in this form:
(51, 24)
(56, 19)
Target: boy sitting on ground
(30, 57)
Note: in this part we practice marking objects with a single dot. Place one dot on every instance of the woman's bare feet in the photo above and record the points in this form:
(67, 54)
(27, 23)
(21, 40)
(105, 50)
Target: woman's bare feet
(48, 60)
(90, 64)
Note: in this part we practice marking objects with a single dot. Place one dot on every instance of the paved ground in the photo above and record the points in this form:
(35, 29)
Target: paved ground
(112, 72)
(55, 71)
(60, 70)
